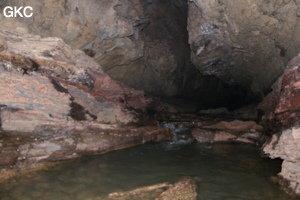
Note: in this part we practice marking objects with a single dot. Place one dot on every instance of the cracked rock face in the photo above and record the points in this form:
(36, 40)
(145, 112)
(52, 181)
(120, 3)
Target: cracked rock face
(243, 42)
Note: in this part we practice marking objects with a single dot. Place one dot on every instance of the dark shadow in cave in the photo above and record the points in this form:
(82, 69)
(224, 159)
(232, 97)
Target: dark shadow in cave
(193, 88)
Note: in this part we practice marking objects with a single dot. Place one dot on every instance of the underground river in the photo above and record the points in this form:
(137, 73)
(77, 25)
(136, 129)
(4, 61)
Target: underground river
(221, 171)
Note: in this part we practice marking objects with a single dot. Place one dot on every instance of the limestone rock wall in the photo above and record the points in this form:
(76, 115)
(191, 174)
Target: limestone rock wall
(127, 38)
(56, 103)
(243, 42)
(43, 79)
(145, 44)
(281, 115)
(142, 43)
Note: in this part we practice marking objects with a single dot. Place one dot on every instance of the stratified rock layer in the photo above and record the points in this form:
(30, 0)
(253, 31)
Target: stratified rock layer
(47, 78)
(56, 103)
(66, 140)
(232, 131)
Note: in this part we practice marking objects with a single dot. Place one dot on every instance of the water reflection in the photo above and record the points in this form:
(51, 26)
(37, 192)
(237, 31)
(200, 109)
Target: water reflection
(221, 172)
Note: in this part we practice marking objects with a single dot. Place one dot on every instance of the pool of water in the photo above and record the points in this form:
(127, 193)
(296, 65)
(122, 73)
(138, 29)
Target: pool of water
(222, 172)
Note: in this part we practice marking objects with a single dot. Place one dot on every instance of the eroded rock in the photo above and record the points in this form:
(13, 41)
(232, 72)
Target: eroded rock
(184, 189)
(146, 193)
(285, 145)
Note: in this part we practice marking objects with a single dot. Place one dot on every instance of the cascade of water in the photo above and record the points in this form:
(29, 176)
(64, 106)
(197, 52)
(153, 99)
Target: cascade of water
(181, 134)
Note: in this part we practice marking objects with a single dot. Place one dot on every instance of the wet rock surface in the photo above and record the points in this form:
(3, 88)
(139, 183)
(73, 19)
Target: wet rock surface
(62, 141)
(57, 104)
(184, 189)
(285, 145)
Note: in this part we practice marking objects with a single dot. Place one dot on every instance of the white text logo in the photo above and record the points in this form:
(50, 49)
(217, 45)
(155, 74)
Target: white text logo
(15, 11)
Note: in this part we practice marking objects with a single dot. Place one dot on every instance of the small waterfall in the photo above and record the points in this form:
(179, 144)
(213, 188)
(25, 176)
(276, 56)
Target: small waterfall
(181, 134)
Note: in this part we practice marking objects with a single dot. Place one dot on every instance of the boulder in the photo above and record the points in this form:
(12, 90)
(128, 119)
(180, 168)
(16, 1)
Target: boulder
(145, 193)
(184, 189)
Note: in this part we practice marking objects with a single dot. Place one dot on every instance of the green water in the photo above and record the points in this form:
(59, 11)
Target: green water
(222, 172)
